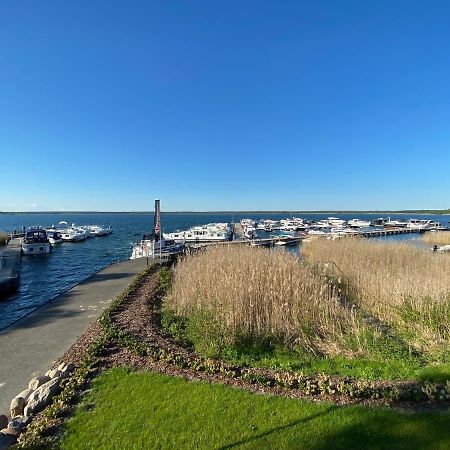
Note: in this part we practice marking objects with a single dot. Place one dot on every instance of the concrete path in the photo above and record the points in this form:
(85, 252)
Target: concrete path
(31, 345)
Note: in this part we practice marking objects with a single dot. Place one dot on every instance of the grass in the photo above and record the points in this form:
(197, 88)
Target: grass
(238, 312)
(132, 410)
(404, 286)
(235, 294)
(3, 238)
(437, 238)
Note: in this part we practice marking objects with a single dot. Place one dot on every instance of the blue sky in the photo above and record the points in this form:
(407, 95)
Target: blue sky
(106, 105)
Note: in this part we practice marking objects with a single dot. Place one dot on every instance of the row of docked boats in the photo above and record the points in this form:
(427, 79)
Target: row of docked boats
(332, 225)
(39, 240)
(174, 243)
(158, 243)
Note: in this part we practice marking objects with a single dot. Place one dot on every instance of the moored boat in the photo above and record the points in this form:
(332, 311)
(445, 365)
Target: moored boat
(35, 242)
(154, 246)
(358, 223)
(212, 232)
(54, 237)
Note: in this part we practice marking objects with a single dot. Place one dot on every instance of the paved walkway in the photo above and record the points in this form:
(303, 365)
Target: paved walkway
(31, 345)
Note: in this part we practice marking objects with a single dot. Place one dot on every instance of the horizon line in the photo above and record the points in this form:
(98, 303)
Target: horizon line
(318, 211)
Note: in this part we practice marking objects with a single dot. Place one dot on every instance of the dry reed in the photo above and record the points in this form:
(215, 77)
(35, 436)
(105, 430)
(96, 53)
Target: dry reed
(405, 286)
(259, 293)
(437, 238)
(3, 238)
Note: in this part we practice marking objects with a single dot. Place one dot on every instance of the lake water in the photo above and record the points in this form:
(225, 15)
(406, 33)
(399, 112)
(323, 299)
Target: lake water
(46, 276)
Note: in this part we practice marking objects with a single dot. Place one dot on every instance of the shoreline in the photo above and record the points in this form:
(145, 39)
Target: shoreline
(31, 344)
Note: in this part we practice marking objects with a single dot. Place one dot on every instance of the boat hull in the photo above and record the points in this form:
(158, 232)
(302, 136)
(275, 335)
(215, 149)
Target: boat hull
(36, 249)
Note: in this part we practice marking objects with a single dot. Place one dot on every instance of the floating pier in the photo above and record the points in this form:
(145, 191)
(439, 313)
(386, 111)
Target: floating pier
(10, 259)
(389, 232)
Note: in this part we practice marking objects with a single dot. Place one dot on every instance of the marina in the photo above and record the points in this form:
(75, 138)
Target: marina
(43, 277)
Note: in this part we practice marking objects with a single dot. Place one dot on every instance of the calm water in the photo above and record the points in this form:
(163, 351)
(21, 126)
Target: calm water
(46, 276)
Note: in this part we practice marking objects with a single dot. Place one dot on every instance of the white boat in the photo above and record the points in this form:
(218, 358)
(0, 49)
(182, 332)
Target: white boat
(336, 222)
(35, 242)
(54, 237)
(250, 232)
(314, 232)
(96, 230)
(248, 223)
(286, 239)
(395, 223)
(69, 234)
(358, 223)
(150, 248)
(155, 246)
(442, 249)
(268, 225)
(423, 224)
(212, 232)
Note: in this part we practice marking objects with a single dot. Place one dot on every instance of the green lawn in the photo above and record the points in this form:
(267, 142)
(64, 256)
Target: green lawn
(135, 410)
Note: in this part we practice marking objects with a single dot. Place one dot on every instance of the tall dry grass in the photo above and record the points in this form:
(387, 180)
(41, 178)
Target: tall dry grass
(403, 285)
(258, 293)
(3, 238)
(437, 238)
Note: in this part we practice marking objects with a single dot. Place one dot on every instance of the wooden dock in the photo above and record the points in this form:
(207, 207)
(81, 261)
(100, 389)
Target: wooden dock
(389, 232)
(10, 259)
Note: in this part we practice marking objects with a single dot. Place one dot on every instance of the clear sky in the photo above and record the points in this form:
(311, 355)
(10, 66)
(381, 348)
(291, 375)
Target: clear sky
(106, 105)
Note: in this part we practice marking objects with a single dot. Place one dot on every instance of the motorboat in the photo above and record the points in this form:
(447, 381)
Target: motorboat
(211, 232)
(268, 225)
(423, 224)
(378, 222)
(54, 237)
(286, 239)
(69, 234)
(336, 222)
(151, 248)
(250, 232)
(358, 223)
(248, 223)
(316, 232)
(395, 223)
(96, 230)
(35, 242)
(154, 246)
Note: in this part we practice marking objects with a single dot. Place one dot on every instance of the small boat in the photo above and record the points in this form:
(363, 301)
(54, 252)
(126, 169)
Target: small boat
(96, 230)
(212, 232)
(315, 232)
(423, 224)
(358, 223)
(395, 223)
(250, 232)
(378, 222)
(286, 239)
(336, 222)
(442, 249)
(54, 237)
(35, 242)
(154, 246)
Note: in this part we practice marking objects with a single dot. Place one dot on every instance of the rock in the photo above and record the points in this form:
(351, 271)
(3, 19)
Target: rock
(37, 381)
(10, 431)
(6, 440)
(17, 406)
(54, 373)
(40, 398)
(3, 421)
(19, 422)
(63, 367)
(25, 394)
